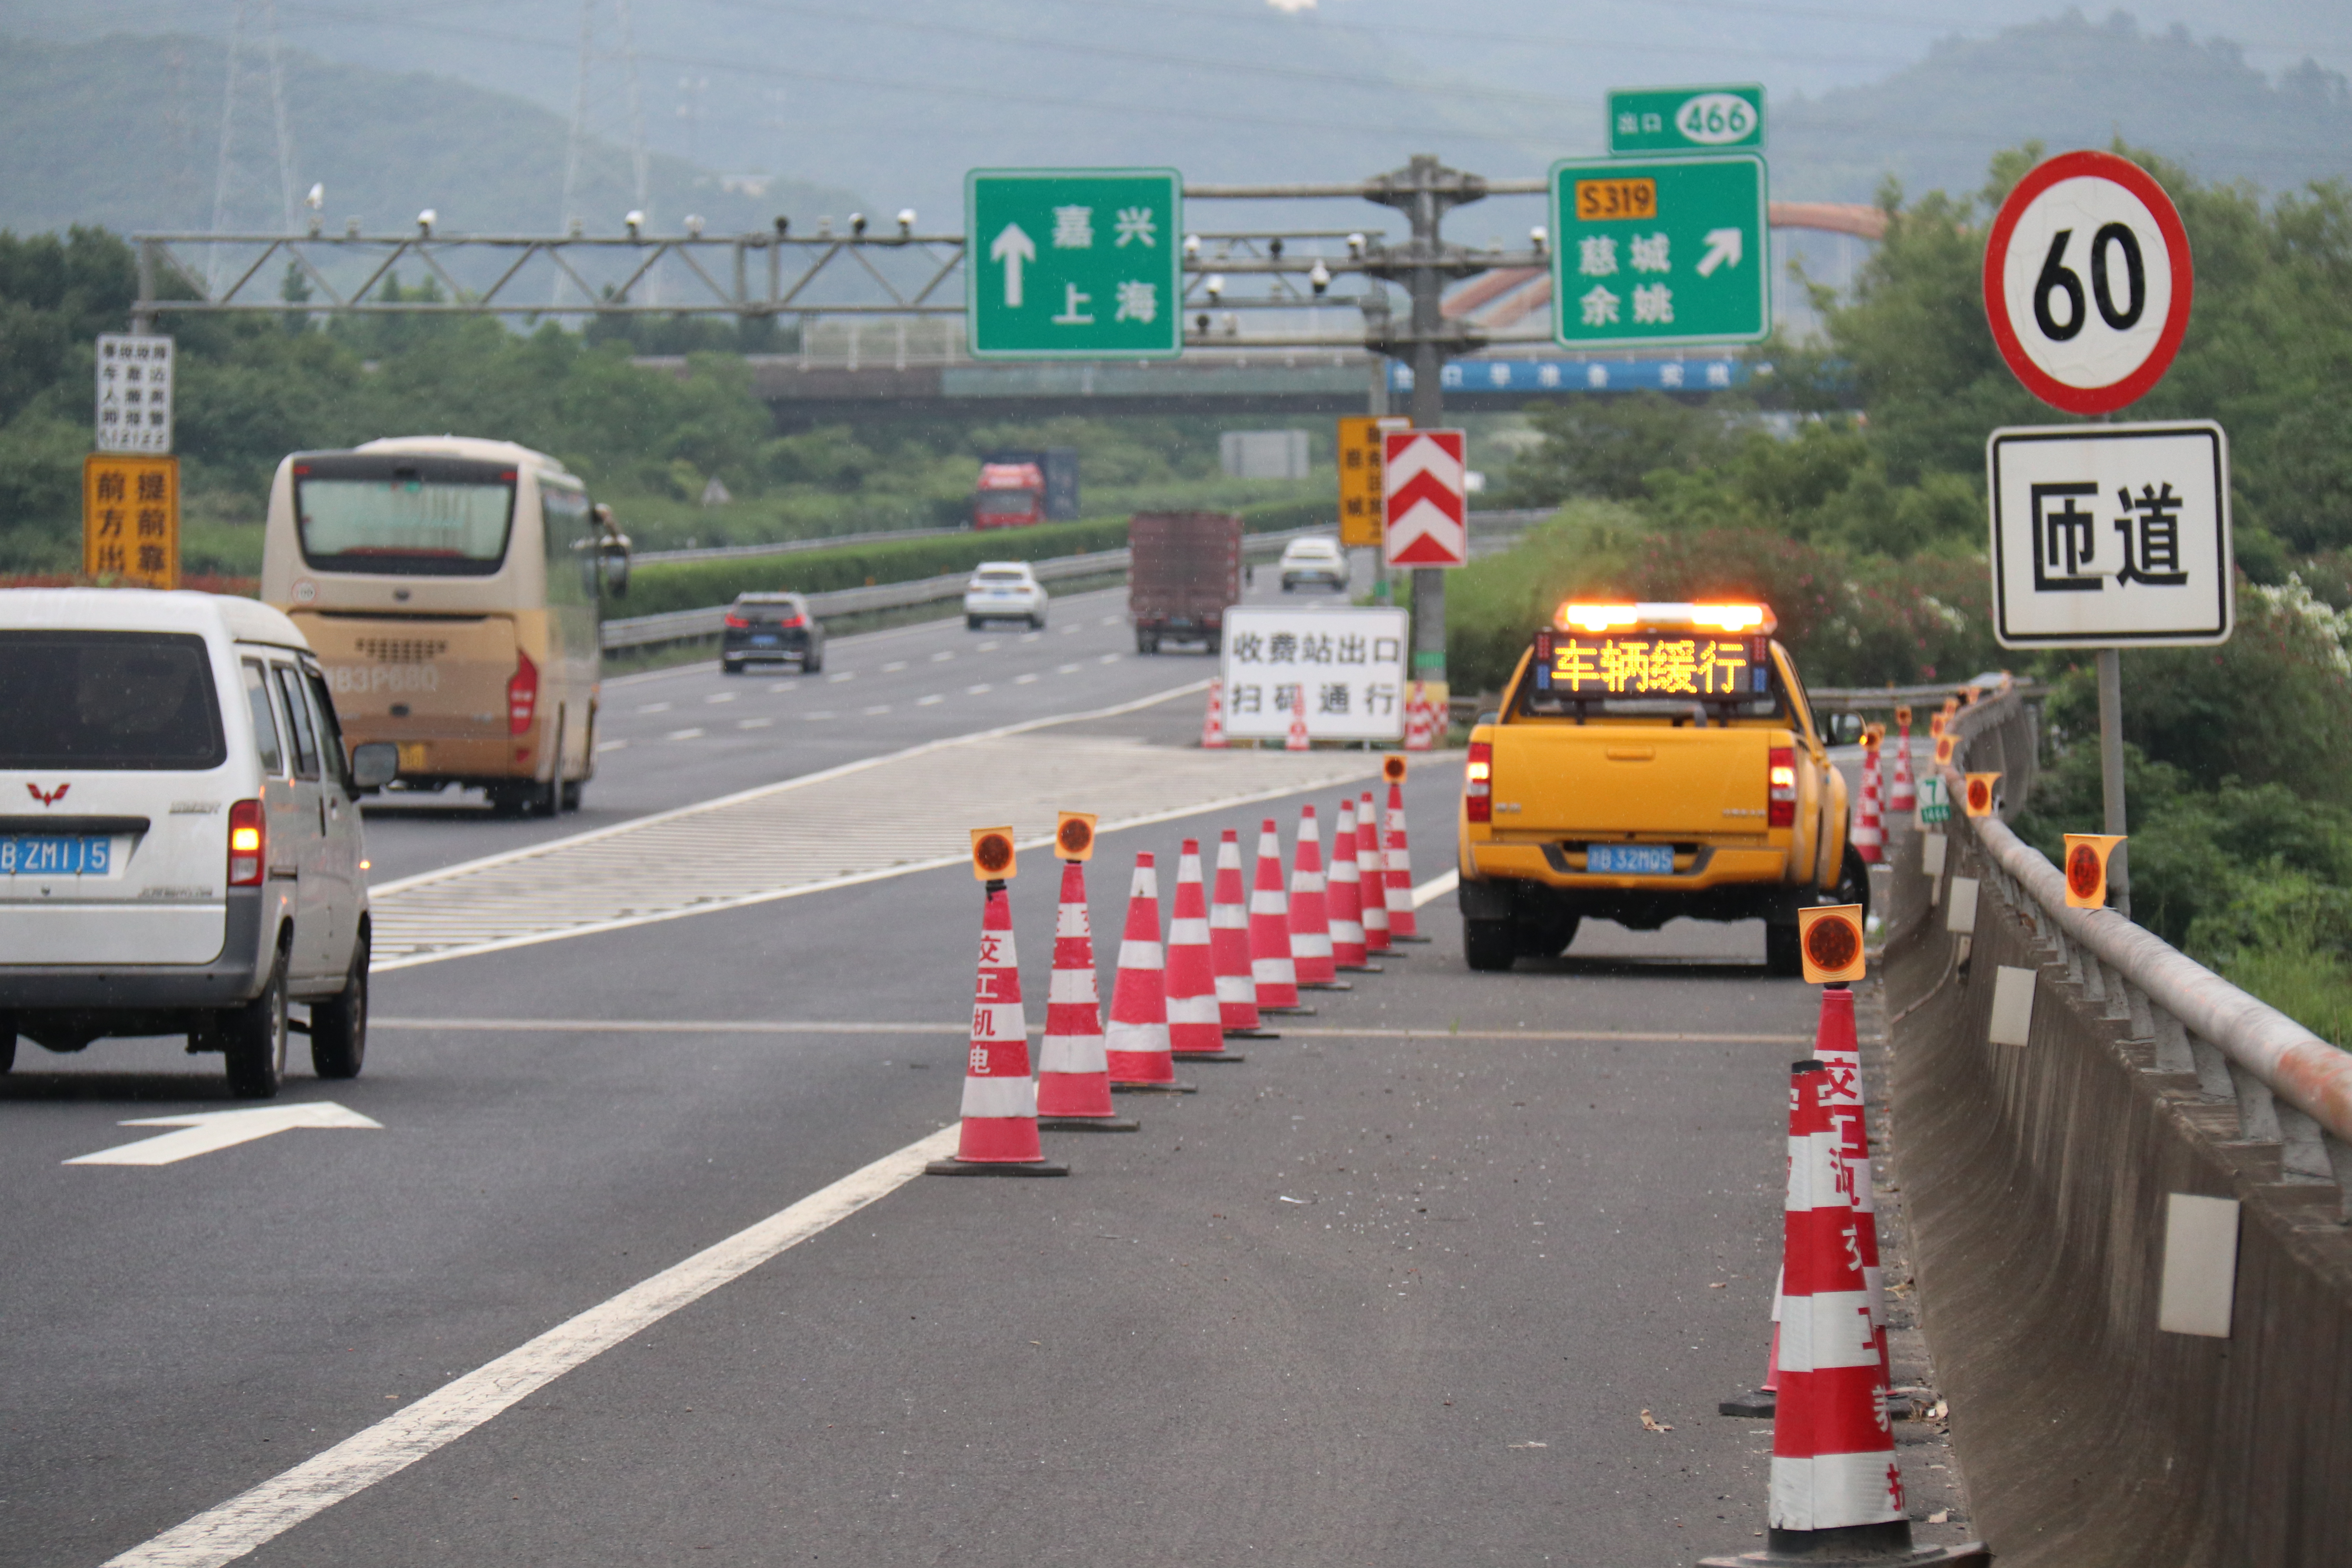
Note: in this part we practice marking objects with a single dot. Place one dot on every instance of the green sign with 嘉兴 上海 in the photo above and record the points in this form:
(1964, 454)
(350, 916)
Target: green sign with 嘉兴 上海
(1074, 263)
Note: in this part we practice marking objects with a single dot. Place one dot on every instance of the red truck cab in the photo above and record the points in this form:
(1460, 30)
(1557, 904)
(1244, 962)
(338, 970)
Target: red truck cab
(1010, 495)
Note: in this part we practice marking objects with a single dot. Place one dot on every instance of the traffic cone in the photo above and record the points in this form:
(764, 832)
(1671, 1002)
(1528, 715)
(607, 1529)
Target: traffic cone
(1297, 741)
(1372, 867)
(1836, 1494)
(1000, 1103)
(1416, 716)
(1073, 1072)
(1271, 964)
(1345, 895)
(1195, 1025)
(1868, 835)
(1310, 920)
(1137, 1043)
(1213, 723)
(1835, 1048)
(1396, 857)
(1904, 796)
(1228, 946)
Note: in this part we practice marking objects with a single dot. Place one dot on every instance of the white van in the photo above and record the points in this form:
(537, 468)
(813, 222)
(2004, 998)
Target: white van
(180, 842)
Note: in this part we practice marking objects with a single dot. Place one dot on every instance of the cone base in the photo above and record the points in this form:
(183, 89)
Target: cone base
(1169, 1086)
(1322, 985)
(1825, 1548)
(1760, 1403)
(996, 1168)
(1252, 1034)
(1088, 1124)
(1411, 939)
(1361, 969)
(1294, 1012)
(1219, 1056)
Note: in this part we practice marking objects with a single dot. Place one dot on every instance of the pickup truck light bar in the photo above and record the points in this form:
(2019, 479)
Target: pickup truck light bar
(1734, 618)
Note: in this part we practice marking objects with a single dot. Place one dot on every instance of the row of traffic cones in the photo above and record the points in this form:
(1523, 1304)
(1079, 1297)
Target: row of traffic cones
(1225, 966)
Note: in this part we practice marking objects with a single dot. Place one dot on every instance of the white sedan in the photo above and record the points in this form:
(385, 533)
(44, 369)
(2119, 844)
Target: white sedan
(1004, 591)
(1313, 560)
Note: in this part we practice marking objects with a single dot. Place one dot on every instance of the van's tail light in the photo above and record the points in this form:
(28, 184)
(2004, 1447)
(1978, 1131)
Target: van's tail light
(249, 844)
(1478, 783)
(738, 622)
(1781, 774)
(522, 695)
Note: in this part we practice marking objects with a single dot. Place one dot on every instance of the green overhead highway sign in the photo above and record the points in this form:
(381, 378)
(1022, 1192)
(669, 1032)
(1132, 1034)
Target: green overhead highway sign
(1074, 263)
(1686, 119)
(1654, 252)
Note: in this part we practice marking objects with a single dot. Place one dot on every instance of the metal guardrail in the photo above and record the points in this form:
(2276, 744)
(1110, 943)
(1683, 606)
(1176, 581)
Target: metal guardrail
(2288, 1086)
(1884, 699)
(790, 546)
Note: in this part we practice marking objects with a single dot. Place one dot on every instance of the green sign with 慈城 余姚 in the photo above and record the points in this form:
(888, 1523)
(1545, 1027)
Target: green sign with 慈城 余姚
(1074, 263)
(1686, 119)
(1657, 252)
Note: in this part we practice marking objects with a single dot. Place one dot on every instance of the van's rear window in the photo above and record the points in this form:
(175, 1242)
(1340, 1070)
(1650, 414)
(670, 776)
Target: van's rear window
(108, 700)
(403, 515)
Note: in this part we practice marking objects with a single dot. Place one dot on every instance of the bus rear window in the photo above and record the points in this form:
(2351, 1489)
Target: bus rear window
(403, 515)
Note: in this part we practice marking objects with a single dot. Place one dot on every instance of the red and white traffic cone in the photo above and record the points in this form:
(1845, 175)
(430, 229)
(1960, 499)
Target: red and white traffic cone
(1344, 892)
(1269, 928)
(1213, 723)
(1416, 716)
(1310, 919)
(1836, 1491)
(1834, 1046)
(1137, 1043)
(1073, 1072)
(1297, 741)
(1396, 859)
(1228, 946)
(1195, 1026)
(1903, 796)
(1371, 868)
(1868, 835)
(1000, 1103)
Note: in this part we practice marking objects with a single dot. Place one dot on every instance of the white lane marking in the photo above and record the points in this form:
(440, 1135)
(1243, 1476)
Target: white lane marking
(1028, 679)
(989, 647)
(686, 734)
(979, 691)
(878, 708)
(206, 1131)
(753, 723)
(604, 746)
(1436, 887)
(1068, 669)
(837, 680)
(962, 1031)
(721, 697)
(779, 687)
(942, 657)
(1028, 637)
(655, 708)
(927, 702)
(1107, 659)
(221, 1535)
(894, 666)
(1073, 631)
(1112, 620)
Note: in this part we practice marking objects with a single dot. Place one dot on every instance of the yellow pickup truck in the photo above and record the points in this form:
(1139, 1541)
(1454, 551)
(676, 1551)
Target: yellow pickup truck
(1650, 761)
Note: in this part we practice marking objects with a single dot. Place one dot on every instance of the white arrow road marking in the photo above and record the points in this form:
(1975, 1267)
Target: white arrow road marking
(1723, 248)
(1013, 248)
(206, 1130)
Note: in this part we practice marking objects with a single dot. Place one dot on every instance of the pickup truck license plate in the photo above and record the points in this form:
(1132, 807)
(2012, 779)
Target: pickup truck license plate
(55, 855)
(1631, 860)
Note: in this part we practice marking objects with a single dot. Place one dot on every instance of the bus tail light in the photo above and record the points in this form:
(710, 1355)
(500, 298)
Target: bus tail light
(1478, 783)
(522, 695)
(1781, 776)
(249, 844)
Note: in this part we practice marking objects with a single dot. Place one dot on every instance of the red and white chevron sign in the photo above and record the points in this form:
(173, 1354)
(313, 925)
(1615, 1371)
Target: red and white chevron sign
(1425, 497)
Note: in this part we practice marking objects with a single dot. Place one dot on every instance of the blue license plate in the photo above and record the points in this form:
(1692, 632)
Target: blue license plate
(55, 855)
(764, 639)
(1631, 860)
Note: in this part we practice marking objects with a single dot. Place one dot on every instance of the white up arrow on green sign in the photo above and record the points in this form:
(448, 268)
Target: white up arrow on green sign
(1074, 263)
(1657, 252)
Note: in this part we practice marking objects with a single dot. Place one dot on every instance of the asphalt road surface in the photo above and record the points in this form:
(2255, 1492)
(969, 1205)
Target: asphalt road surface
(1454, 1271)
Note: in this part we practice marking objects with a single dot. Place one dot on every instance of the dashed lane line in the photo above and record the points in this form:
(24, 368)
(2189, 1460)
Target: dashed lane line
(840, 1027)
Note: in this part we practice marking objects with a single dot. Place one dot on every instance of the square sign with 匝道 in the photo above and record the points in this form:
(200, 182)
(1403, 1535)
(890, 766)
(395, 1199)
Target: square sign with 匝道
(1074, 263)
(1656, 252)
(1686, 119)
(1345, 668)
(2111, 535)
(134, 392)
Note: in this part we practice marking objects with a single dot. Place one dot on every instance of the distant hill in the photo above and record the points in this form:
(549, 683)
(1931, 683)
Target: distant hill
(2067, 83)
(125, 132)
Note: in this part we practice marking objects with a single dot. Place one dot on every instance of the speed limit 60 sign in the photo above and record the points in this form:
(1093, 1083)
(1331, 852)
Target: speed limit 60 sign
(2087, 281)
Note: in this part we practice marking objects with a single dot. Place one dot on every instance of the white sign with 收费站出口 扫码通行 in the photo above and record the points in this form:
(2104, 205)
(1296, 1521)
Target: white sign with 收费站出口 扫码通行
(2110, 535)
(1344, 667)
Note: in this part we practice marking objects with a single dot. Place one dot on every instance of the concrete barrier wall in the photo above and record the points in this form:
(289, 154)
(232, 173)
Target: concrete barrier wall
(2038, 1179)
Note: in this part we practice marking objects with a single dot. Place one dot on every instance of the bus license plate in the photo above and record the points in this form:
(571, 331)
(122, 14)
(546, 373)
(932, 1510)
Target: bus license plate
(55, 855)
(1631, 860)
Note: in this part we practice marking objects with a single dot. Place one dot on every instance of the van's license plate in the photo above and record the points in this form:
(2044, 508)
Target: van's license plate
(55, 855)
(1630, 859)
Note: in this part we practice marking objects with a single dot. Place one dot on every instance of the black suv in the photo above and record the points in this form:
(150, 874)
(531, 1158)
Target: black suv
(771, 626)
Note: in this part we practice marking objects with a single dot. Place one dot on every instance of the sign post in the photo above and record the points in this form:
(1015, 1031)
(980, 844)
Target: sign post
(131, 519)
(2087, 285)
(1074, 263)
(1651, 253)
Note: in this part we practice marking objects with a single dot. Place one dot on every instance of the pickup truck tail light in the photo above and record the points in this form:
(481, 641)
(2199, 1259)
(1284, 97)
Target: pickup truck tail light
(522, 695)
(1478, 783)
(249, 844)
(1781, 775)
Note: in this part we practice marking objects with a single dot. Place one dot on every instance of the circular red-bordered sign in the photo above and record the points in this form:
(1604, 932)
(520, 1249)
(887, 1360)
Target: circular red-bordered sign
(2087, 281)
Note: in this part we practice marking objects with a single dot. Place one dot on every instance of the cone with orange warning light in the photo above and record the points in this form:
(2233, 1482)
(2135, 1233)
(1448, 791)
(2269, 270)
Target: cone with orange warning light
(1195, 1027)
(1310, 921)
(2087, 868)
(1137, 1043)
(999, 1136)
(1836, 1492)
(1982, 795)
(1946, 745)
(1343, 893)
(1396, 857)
(1902, 793)
(1212, 723)
(1276, 970)
(1371, 869)
(1828, 940)
(1867, 835)
(1073, 1071)
(1228, 946)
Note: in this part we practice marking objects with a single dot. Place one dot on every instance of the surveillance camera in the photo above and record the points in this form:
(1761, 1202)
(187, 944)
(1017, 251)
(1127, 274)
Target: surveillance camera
(426, 219)
(1191, 247)
(351, 228)
(1539, 236)
(1200, 323)
(824, 227)
(633, 222)
(858, 223)
(906, 220)
(1319, 277)
(1355, 245)
(1232, 324)
(317, 198)
(693, 224)
(1216, 284)
(783, 225)
(1274, 248)
(574, 228)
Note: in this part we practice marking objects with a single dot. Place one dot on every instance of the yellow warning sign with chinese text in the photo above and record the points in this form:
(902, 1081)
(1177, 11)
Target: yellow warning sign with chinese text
(131, 519)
